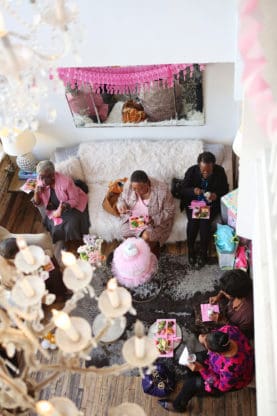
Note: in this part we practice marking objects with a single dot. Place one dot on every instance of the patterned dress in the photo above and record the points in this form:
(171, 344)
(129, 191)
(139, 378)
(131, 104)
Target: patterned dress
(229, 373)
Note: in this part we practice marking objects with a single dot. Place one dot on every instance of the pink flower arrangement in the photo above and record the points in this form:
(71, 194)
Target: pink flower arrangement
(91, 250)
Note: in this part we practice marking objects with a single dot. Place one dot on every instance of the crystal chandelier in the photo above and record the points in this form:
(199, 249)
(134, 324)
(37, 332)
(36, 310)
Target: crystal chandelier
(45, 31)
(22, 294)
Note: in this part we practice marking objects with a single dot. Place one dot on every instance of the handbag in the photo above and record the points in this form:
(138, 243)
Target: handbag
(160, 383)
(177, 188)
(111, 198)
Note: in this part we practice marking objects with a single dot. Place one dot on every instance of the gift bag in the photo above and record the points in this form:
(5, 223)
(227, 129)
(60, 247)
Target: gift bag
(241, 261)
(225, 239)
(159, 383)
(111, 198)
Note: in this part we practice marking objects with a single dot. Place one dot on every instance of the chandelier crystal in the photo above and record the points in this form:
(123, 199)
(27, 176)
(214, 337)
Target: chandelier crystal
(34, 37)
(22, 326)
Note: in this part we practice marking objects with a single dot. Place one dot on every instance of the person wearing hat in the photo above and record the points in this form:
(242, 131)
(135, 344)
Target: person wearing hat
(227, 364)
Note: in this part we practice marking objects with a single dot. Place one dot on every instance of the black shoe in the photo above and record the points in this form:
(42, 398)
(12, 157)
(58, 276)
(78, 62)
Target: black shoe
(191, 257)
(201, 261)
(192, 260)
(167, 405)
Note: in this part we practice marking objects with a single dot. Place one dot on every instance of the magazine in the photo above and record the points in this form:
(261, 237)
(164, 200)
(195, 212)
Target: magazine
(29, 186)
(207, 309)
(200, 210)
(137, 223)
(202, 213)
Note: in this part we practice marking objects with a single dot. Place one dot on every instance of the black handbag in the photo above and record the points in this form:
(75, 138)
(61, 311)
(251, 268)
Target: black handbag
(160, 383)
(177, 188)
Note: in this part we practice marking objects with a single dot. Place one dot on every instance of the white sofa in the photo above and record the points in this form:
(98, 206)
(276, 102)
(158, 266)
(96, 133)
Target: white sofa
(99, 162)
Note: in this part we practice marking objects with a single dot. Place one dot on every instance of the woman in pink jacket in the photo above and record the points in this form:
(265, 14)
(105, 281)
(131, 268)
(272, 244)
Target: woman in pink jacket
(65, 204)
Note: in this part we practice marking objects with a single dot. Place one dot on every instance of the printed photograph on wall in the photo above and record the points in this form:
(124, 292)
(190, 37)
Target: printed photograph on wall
(151, 95)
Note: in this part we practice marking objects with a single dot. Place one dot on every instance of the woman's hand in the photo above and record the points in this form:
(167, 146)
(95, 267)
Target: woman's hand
(196, 366)
(38, 189)
(123, 209)
(214, 299)
(57, 213)
(213, 197)
(198, 191)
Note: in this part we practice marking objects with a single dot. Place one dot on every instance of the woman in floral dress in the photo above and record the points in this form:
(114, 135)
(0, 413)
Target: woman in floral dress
(228, 364)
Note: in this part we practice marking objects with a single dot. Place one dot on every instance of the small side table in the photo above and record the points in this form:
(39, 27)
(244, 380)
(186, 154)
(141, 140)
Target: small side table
(16, 183)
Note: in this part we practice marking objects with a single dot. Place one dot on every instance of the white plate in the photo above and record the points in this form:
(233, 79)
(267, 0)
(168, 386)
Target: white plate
(152, 332)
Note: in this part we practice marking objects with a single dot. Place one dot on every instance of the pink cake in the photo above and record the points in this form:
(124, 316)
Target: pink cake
(133, 263)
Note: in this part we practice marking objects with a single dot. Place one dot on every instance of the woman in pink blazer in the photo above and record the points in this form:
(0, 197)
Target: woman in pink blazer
(65, 203)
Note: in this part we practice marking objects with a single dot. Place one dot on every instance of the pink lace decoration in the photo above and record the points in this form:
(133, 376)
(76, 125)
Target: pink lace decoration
(121, 80)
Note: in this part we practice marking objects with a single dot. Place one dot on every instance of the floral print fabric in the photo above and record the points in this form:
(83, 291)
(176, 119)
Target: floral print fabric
(229, 373)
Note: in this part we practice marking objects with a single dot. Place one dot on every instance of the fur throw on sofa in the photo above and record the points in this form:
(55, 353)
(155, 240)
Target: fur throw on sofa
(103, 162)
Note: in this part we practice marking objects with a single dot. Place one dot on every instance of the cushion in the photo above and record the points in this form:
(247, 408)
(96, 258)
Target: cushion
(161, 103)
(64, 153)
(71, 167)
(115, 114)
(85, 103)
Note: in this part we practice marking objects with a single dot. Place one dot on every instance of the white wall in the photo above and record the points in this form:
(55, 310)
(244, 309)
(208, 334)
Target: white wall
(221, 112)
(124, 32)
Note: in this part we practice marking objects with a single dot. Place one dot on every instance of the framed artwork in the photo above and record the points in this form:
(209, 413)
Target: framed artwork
(155, 95)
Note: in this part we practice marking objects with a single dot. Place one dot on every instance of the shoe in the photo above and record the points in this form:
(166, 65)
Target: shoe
(192, 260)
(191, 257)
(167, 405)
(201, 261)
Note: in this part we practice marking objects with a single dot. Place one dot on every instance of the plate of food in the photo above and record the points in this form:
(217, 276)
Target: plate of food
(165, 346)
(166, 329)
(137, 222)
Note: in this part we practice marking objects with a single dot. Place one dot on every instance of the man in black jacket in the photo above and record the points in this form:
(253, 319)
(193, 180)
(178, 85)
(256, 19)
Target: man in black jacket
(207, 182)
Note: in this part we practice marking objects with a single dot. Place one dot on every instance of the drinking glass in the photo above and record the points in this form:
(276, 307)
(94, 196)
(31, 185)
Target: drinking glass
(191, 358)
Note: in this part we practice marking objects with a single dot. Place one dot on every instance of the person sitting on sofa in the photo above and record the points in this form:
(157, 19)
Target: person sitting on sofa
(66, 216)
(236, 286)
(151, 199)
(54, 284)
(205, 177)
(228, 364)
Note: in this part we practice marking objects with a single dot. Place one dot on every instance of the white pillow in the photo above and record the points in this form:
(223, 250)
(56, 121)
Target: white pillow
(115, 115)
(71, 167)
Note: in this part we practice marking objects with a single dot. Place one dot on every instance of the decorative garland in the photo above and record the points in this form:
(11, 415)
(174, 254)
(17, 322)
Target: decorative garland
(121, 80)
(256, 88)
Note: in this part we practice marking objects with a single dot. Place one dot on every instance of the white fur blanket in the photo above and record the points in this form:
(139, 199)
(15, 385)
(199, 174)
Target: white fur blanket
(106, 161)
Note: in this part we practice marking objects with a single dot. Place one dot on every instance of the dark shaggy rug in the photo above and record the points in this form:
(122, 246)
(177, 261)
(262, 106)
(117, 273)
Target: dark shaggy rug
(176, 292)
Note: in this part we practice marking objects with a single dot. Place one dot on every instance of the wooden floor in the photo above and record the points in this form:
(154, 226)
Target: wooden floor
(95, 394)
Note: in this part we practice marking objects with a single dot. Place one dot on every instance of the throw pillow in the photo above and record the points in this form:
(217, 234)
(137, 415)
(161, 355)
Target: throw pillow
(161, 103)
(71, 167)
